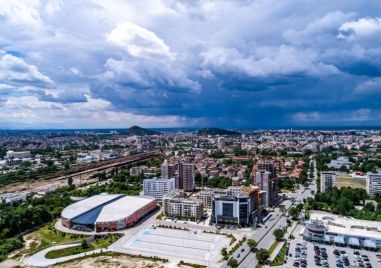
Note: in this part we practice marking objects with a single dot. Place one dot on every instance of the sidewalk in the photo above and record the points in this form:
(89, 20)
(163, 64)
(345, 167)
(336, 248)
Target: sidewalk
(280, 245)
(39, 259)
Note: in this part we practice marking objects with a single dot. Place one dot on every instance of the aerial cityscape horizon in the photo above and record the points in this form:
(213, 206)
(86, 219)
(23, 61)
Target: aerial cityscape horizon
(190, 133)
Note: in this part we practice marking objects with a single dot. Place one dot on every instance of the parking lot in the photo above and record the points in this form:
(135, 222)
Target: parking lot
(308, 254)
(191, 246)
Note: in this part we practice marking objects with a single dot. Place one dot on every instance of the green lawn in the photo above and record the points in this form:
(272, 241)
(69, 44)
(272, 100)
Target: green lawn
(273, 246)
(46, 235)
(100, 243)
(279, 260)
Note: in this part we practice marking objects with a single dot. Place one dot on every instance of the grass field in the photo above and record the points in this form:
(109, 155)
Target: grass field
(273, 246)
(100, 243)
(280, 259)
(347, 181)
(46, 235)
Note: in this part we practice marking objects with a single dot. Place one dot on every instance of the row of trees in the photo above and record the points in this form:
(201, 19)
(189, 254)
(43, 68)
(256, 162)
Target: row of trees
(17, 220)
(218, 182)
(343, 201)
(367, 165)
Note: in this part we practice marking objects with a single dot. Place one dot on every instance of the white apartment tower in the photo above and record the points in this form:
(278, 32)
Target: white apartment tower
(158, 187)
(168, 170)
(373, 184)
(221, 143)
(327, 180)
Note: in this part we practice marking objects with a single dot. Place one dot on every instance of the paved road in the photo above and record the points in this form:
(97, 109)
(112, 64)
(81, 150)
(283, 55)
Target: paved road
(267, 239)
(263, 234)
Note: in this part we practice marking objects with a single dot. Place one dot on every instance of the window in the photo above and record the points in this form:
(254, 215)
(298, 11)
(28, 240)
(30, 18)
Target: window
(227, 210)
(243, 212)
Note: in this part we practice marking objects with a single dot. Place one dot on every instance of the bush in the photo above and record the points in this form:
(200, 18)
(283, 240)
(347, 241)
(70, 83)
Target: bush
(84, 244)
(262, 255)
(8, 245)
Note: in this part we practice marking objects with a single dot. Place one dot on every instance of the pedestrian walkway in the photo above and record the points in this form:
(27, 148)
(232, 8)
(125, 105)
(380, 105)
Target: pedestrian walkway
(39, 259)
(278, 248)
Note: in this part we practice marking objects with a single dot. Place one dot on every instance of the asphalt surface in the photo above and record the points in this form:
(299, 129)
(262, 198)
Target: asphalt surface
(265, 236)
(331, 257)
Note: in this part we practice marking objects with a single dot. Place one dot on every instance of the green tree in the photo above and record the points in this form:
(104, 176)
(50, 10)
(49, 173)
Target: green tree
(26, 164)
(252, 244)
(262, 255)
(293, 213)
(278, 233)
(224, 252)
(67, 165)
(299, 207)
(233, 263)
(84, 244)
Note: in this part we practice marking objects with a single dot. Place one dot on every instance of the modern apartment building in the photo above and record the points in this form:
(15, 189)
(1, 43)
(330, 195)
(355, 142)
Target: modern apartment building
(206, 196)
(373, 184)
(221, 143)
(240, 208)
(168, 170)
(158, 187)
(186, 177)
(267, 166)
(327, 180)
(175, 205)
(265, 177)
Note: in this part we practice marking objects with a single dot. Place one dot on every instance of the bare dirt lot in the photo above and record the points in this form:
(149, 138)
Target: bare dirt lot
(347, 181)
(115, 261)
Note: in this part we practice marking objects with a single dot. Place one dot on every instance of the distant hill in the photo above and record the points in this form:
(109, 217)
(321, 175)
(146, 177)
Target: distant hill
(138, 131)
(217, 131)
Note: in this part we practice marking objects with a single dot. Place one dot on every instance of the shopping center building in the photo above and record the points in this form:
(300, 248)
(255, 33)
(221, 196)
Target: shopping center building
(329, 228)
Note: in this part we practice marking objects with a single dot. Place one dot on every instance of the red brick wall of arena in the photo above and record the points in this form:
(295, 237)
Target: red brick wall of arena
(128, 221)
(65, 222)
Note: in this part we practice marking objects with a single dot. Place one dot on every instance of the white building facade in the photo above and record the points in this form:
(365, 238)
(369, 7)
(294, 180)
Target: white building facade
(158, 187)
(327, 180)
(373, 184)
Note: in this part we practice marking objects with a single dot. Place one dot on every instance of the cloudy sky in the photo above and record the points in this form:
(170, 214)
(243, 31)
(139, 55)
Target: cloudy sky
(168, 63)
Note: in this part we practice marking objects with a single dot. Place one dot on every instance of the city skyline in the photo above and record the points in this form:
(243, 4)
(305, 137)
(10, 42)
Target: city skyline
(163, 64)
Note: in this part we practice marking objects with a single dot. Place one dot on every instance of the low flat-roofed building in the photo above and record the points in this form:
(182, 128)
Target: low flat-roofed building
(11, 198)
(329, 228)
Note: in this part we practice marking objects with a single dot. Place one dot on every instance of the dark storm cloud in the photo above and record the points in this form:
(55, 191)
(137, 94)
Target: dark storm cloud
(224, 63)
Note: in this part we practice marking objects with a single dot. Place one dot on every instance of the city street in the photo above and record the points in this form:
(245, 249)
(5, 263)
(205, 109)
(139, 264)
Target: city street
(266, 239)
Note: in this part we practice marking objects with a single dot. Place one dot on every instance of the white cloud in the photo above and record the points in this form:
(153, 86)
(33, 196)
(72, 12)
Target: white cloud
(93, 113)
(21, 13)
(16, 70)
(53, 6)
(364, 27)
(139, 42)
(369, 87)
(318, 30)
(267, 61)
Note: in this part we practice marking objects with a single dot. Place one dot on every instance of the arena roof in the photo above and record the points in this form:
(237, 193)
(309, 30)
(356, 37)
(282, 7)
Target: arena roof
(77, 209)
(123, 208)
